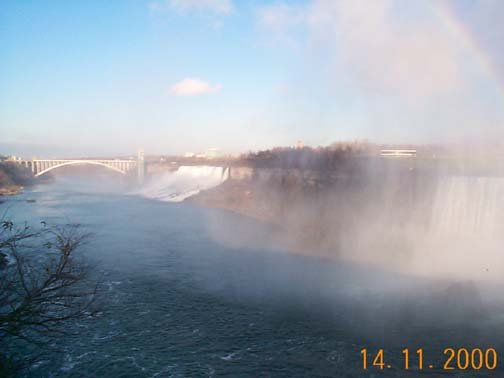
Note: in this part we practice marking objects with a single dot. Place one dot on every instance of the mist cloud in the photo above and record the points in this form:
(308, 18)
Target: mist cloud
(381, 48)
(194, 87)
(414, 72)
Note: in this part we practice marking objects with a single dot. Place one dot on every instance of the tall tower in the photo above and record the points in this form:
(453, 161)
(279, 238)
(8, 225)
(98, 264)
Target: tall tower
(140, 166)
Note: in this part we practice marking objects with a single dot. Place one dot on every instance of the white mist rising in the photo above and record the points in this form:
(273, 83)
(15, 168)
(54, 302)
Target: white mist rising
(429, 223)
(465, 235)
(449, 227)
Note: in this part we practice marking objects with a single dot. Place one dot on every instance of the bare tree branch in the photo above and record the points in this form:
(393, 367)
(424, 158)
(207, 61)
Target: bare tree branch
(42, 283)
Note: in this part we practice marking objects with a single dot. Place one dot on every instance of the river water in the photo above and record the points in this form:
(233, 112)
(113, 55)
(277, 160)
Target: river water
(178, 301)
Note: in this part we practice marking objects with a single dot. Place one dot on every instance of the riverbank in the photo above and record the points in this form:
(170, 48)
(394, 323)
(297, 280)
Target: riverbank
(11, 190)
(13, 178)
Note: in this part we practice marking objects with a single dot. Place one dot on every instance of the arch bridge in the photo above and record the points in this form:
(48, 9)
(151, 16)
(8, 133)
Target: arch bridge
(42, 166)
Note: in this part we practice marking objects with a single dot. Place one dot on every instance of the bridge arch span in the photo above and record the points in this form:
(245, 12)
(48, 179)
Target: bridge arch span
(81, 162)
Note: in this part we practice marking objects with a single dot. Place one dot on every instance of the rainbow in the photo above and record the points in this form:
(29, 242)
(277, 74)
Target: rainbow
(459, 30)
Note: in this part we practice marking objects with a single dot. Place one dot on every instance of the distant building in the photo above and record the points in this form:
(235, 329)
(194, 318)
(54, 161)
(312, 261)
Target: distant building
(212, 153)
(13, 158)
(189, 154)
(300, 144)
(398, 153)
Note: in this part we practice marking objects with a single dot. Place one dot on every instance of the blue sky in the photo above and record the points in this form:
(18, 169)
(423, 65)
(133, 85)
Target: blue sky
(169, 76)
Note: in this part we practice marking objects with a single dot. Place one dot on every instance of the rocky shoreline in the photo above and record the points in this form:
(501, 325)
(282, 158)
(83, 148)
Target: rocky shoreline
(11, 190)
(13, 178)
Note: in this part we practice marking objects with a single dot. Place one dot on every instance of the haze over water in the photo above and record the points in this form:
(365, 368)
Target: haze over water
(176, 302)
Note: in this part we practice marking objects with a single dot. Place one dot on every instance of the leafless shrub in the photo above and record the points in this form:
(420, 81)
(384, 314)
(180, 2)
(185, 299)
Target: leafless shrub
(43, 285)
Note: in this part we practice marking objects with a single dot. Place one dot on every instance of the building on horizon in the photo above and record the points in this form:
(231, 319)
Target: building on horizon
(212, 153)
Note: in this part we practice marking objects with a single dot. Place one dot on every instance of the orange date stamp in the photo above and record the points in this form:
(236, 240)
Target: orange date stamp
(452, 359)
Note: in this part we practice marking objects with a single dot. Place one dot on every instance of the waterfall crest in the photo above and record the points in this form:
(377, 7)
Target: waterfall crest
(183, 183)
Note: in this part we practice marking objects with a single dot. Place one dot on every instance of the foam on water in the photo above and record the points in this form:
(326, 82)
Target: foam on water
(183, 183)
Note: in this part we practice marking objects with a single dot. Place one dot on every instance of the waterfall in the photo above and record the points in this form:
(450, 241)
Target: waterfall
(448, 226)
(183, 183)
(467, 206)
(465, 234)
